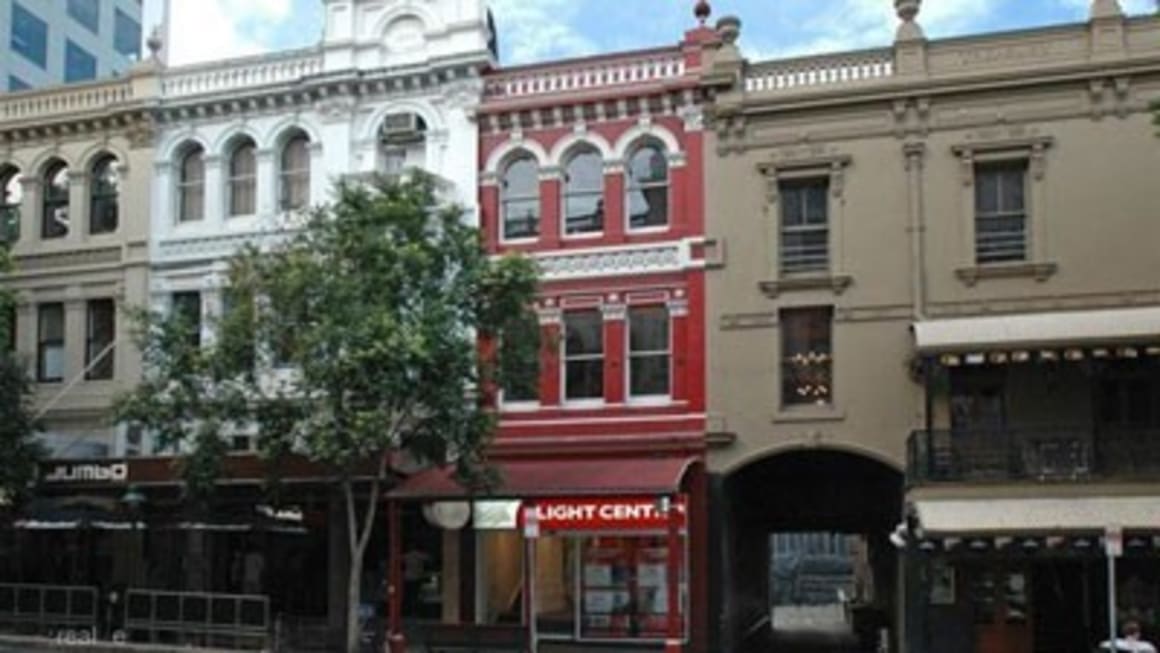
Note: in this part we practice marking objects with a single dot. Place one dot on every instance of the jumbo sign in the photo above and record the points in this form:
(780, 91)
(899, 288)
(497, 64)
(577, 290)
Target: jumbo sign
(604, 514)
(88, 473)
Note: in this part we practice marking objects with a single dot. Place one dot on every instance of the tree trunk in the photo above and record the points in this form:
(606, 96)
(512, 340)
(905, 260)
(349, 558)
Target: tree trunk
(360, 535)
(353, 601)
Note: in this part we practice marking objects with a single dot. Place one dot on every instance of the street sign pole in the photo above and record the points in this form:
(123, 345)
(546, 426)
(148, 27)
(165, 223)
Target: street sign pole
(1113, 547)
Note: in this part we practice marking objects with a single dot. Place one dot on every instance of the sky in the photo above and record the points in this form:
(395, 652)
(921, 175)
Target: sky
(536, 30)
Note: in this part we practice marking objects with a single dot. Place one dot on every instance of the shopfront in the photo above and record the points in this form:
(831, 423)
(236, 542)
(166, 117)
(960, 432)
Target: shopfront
(570, 560)
(1026, 575)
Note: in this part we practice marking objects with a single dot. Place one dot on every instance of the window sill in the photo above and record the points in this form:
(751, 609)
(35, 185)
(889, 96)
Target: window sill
(649, 401)
(658, 229)
(1039, 271)
(800, 414)
(519, 241)
(519, 407)
(583, 404)
(836, 284)
(588, 235)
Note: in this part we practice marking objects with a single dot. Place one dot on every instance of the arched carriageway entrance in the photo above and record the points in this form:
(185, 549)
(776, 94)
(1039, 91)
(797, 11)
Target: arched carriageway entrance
(805, 558)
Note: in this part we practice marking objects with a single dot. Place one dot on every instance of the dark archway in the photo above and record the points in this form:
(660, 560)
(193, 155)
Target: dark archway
(816, 495)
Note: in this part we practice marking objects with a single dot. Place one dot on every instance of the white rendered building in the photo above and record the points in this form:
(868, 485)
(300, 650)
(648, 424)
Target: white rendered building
(243, 142)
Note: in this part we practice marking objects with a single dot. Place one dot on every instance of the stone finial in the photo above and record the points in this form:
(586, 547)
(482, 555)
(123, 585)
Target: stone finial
(155, 43)
(1106, 9)
(907, 11)
(702, 11)
(729, 28)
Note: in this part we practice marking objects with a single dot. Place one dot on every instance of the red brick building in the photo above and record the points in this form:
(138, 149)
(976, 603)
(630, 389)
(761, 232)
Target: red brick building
(594, 168)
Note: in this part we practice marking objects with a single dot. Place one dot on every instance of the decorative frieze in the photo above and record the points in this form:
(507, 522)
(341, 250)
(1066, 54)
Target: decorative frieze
(617, 261)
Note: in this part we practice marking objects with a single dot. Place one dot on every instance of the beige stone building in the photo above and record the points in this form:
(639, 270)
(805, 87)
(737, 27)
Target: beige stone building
(75, 169)
(934, 318)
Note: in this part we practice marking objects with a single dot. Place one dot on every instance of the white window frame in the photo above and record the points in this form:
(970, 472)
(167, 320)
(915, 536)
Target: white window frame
(503, 199)
(629, 354)
(565, 359)
(667, 183)
(583, 235)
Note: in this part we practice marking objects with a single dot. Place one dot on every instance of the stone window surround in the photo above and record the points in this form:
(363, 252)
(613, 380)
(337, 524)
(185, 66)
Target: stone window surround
(774, 172)
(216, 183)
(80, 181)
(1034, 151)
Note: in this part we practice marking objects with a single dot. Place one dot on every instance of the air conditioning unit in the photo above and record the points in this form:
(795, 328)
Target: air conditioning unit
(401, 128)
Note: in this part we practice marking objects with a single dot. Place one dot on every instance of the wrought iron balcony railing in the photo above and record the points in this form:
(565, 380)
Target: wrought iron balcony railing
(1033, 454)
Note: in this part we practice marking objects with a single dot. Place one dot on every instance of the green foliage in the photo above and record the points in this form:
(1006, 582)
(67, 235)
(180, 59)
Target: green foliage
(18, 428)
(353, 336)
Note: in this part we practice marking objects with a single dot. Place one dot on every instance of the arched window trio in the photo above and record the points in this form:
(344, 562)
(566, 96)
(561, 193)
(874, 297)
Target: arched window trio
(582, 209)
(57, 214)
(242, 178)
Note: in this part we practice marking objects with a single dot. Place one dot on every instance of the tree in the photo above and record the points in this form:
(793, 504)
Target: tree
(353, 338)
(18, 426)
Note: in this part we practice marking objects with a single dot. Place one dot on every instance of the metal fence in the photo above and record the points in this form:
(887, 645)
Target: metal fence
(198, 619)
(47, 609)
(1039, 454)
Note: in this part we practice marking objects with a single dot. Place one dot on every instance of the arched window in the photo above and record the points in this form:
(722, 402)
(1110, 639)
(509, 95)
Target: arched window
(191, 185)
(520, 198)
(584, 193)
(55, 220)
(104, 193)
(294, 173)
(243, 179)
(648, 188)
(11, 194)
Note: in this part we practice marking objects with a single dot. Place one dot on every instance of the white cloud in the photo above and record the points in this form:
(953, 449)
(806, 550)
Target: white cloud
(870, 23)
(1129, 6)
(204, 30)
(535, 30)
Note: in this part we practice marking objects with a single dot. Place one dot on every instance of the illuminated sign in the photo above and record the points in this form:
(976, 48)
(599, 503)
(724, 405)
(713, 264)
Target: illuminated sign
(88, 473)
(611, 514)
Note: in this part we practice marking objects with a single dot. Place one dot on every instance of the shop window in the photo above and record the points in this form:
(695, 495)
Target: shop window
(100, 334)
(520, 199)
(186, 307)
(11, 194)
(1001, 212)
(55, 217)
(191, 185)
(104, 195)
(50, 343)
(243, 179)
(649, 351)
(555, 588)
(648, 188)
(807, 356)
(583, 356)
(294, 174)
(805, 233)
(584, 193)
(624, 588)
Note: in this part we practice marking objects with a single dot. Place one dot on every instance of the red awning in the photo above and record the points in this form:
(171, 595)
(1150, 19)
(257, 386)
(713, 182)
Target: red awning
(555, 478)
